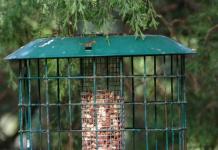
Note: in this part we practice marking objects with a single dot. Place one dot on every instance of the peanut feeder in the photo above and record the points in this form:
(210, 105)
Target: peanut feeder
(73, 92)
(108, 123)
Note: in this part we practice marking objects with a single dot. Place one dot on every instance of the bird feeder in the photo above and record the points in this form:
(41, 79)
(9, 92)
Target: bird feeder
(107, 93)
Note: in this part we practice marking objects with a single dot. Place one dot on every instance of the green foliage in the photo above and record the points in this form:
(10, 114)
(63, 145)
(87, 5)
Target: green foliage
(192, 22)
(63, 17)
(198, 30)
(23, 20)
(205, 69)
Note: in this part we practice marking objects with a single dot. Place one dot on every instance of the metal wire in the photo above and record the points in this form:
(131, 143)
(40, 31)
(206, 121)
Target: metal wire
(133, 99)
(145, 105)
(29, 137)
(157, 113)
(20, 106)
(69, 103)
(47, 106)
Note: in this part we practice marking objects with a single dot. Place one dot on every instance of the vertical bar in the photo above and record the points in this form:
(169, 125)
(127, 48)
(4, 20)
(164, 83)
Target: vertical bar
(81, 90)
(20, 106)
(165, 106)
(69, 101)
(178, 67)
(47, 105)
(39, 99)
(145, 106)
(172, 99)
(29, 139)
(25, 108)
(121, 75)
(184, 92)
(121, 95)
(107, 65)
(155, 99)
(58, 101)
(82, 73)
(183, 100)
(133, 100)
(178, 78)
(26, 116)
(94, 93)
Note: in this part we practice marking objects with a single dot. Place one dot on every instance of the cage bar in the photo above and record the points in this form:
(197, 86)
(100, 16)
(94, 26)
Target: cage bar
(96, 81)
(118, 99)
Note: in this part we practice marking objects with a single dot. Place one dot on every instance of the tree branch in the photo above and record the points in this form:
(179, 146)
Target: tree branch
(171, 25)
(181, 4)
(209, 32)
(168, 25)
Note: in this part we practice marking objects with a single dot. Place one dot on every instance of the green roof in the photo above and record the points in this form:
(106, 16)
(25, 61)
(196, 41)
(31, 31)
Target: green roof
(114, 45)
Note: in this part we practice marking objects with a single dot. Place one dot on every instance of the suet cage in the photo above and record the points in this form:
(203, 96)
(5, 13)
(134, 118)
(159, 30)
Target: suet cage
(107, 93)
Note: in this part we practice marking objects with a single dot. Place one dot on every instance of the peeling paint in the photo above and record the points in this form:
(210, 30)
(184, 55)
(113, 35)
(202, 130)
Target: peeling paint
(157, 49)
(12, 57)
(24, 53)
(47, 43)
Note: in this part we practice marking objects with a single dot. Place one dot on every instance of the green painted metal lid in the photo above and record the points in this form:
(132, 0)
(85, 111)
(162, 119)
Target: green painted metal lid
(96, 46)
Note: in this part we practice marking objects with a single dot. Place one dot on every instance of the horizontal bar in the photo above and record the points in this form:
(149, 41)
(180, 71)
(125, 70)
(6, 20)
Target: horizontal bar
(154, 129)
(92, 77)
(107, 130)
(156, 102)
(91, 57)
(126, 103)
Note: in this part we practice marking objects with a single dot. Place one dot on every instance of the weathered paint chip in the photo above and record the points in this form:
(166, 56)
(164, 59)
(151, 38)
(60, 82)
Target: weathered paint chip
(47, 43)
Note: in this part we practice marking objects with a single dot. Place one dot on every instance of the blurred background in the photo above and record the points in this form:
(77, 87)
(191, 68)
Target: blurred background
(193, 23)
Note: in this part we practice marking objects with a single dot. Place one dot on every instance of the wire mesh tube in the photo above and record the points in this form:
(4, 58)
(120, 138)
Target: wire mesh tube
(54, 114)
(107, 123)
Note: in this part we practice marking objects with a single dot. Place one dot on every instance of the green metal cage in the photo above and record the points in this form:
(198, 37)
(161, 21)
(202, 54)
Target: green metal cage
(107, 93)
